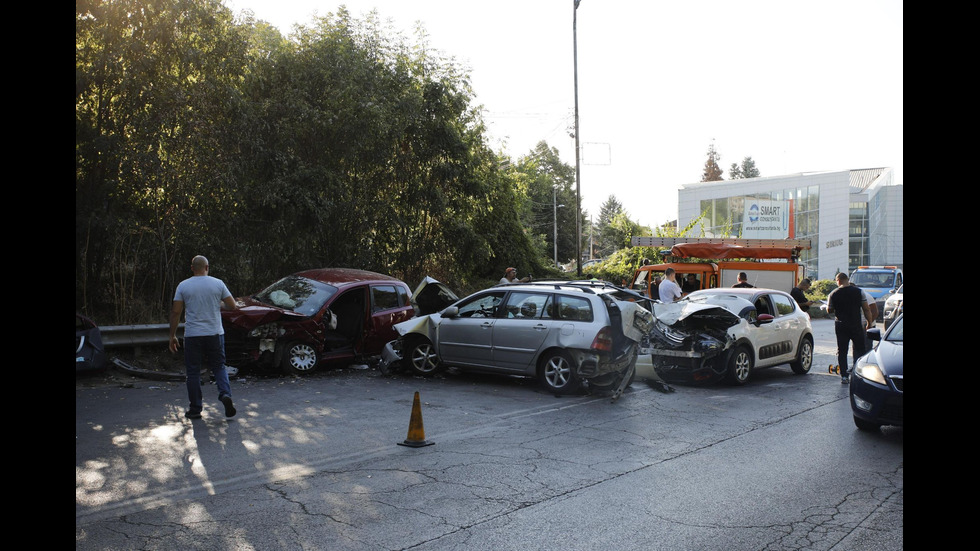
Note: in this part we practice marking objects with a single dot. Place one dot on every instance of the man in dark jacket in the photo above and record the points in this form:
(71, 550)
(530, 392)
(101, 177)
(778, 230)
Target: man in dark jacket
(799, 293)
(690, 284)
(847, 303)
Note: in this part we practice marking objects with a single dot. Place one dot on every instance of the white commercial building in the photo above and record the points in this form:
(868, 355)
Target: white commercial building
(852, 218)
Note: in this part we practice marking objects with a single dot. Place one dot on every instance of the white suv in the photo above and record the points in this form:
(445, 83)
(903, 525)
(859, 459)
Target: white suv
(728, 333)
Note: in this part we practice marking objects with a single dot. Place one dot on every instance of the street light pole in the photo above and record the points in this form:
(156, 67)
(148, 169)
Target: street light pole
(554, 191)
(578, 170)
(555, 203)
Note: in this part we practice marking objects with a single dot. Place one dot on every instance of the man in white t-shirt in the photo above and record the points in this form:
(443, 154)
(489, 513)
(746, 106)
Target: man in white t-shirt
(200, 298)
(669, 289)
(871, 304)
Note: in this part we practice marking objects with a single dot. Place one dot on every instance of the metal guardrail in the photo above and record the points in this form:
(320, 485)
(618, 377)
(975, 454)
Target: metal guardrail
(116, 336)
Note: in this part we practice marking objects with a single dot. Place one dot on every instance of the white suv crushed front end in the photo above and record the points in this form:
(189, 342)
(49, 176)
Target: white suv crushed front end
(728, 333)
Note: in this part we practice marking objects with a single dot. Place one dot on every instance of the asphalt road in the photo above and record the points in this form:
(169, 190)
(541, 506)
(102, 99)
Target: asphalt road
(315, 463)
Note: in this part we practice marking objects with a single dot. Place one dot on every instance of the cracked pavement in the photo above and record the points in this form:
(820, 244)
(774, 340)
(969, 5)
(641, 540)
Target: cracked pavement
(314, 464)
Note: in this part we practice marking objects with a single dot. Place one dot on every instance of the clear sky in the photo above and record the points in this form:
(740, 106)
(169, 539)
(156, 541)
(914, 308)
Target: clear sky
(797, 86)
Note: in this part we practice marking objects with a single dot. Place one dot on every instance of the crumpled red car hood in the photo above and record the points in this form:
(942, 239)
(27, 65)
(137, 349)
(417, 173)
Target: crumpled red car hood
(254, 314)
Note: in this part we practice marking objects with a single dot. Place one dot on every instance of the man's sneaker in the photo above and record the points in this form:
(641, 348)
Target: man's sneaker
(844, 379)
(229, 406)
(193, 415)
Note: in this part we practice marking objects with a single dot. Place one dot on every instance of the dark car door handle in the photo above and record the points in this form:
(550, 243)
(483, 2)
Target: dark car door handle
(540, 327)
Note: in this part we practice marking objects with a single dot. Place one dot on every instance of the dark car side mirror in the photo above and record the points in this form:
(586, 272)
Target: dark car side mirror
(874, 334)
(450, 312)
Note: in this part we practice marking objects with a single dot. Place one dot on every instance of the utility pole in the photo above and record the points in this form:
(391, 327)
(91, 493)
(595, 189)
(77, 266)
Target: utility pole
(578, 168)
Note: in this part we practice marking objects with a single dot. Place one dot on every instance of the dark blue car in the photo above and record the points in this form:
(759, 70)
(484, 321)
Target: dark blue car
(877, 380)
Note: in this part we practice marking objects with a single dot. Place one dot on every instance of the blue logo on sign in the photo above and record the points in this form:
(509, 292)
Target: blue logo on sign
(753, 213)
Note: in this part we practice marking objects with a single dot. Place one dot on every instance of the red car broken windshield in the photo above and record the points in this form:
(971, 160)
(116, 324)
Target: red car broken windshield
(298, 294)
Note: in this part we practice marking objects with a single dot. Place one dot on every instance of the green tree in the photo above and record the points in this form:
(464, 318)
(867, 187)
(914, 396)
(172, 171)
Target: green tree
(608, 210)
(607, 237)
(620, 265)
(545, 182)
(746, 170)
(620, 231)
(712, 171)
(157, 105)
(373, 157)
(344, 144)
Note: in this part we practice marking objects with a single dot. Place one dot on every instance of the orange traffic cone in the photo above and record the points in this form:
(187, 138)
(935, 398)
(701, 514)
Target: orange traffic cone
(416, 433)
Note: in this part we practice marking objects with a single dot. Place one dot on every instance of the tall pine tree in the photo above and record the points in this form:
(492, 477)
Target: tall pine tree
(746, 170)
(712, 171)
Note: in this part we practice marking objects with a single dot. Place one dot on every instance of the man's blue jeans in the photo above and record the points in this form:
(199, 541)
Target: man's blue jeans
(201, 351)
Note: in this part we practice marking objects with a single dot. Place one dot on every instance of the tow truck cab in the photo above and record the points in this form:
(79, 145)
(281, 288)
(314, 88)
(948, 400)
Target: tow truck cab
(644, 277)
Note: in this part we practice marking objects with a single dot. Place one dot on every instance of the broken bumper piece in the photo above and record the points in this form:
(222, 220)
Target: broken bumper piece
(391, 357)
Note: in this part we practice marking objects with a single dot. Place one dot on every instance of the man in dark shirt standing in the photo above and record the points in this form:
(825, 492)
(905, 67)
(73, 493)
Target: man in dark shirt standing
(655, 288)
(743, 281)
(690, 284)
(847, 303)
(798, 293)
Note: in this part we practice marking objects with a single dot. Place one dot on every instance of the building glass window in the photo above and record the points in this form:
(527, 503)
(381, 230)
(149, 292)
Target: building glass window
(857, 236)
(720, 212)
(723, 217)
(806, 223)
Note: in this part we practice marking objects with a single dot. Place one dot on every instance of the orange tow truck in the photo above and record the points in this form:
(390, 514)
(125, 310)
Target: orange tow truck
(769, 263)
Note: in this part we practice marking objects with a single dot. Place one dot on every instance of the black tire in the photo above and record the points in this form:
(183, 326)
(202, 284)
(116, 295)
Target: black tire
(299, 358)
(422, 358)
(804, 357)
(740, 366)
(556, 373)
(866, 425)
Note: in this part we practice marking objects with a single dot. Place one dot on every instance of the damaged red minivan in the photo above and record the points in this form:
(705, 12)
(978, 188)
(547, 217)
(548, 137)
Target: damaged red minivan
(328, 315)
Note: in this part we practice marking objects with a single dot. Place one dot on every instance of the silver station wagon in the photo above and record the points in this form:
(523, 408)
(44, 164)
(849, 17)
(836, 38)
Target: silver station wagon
(565, 334)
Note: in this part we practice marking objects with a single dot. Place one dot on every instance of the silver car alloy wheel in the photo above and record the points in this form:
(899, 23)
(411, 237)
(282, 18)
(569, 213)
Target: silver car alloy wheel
(804, 359)
(807, 356)
(424, 358)
(557, 371)
(742, 365)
